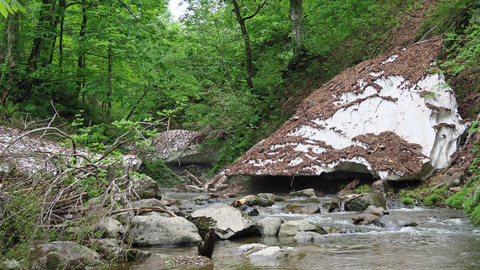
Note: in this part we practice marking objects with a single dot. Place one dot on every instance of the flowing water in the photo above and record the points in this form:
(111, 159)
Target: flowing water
(443, 239)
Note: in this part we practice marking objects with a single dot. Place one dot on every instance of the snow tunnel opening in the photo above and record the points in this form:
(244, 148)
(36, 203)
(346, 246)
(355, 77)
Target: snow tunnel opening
(324, 184)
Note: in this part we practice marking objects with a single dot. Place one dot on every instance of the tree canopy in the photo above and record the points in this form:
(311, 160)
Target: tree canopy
(236, 67)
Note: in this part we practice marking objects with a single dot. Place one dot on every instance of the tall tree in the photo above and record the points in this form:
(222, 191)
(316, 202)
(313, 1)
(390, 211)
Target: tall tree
(296, 19)
(248, 50)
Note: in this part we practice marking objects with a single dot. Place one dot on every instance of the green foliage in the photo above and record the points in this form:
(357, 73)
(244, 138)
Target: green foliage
(457, 200)
(407, 201)
(362, 189)
(159, 172)
(18, 225)
(10, 6)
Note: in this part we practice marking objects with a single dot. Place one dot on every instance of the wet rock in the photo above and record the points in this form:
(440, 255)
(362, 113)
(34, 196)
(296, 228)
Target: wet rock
(230, 222)
(361, 202)
(309, 192)
(303, 208)
(252, 200)
(333, 206)
(249, 210)
(271, 197)
(292, 227)
(270, 254)
(64, 255)
(262, 255)
(270, 226)
(371, 215)
(308, 237)
(159, 230)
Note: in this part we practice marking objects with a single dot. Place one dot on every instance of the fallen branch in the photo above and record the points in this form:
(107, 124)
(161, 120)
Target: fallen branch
(145, 209)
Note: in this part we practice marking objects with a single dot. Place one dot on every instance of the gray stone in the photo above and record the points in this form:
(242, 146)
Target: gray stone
(292, 227)
(270, 226)
(159, 230)
(361, 202)
(271, 197)
(109, 227)
(308, 237)
(230, 222)
(303, 208)
(65, 254)
(309, 192)
(144, 188)
(152, 202)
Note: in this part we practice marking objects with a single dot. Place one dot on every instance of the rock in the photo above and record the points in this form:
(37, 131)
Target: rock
(303, 208)
(292, 227)
(262, 255)
(249, 210)
(64, 255)
(145, 188)
(271, 197)
(379, 211)
(392, 116)
(360, 203)
(109, 227)
(252, 200)
(455, 180)
(269, 226)
(111, 250)
(309, 192)
(333, 206)
(371, 215)
(146, 203)
(270, 254)
(380, 186)
(308, 237)
(159, 230)
(230, 222)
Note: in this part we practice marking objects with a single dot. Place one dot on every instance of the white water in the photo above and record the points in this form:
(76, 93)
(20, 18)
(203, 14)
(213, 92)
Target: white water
(443, 239)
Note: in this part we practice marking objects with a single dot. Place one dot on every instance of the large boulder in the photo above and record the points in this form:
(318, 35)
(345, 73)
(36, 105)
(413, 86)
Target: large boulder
(64, 255)
(155, 230)
(393, 117)
(292, 227)
(362, 202)
(269, 226)
(230, 222)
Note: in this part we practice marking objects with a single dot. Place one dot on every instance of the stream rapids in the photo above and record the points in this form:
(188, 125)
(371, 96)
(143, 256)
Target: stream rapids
(443, 239)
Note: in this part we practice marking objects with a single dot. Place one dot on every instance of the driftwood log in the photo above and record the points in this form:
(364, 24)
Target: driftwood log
(200, 184)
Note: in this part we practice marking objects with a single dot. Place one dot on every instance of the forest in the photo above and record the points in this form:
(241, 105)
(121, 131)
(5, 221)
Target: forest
(234, 70)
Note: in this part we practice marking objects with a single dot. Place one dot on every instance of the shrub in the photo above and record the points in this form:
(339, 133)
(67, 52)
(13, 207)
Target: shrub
(160, 173)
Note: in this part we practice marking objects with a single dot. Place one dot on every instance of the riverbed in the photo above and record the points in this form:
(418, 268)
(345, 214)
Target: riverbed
(443, 239)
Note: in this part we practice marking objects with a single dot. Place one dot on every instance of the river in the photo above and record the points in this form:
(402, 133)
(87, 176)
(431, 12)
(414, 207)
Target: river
(443, 239)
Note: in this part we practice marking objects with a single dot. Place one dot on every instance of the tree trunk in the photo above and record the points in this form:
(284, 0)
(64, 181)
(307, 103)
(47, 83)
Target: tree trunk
(45, 25)
(246, 39)
(109, 78)
(81, 55)
(60, 41)
(12, 56)
(296, 20)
